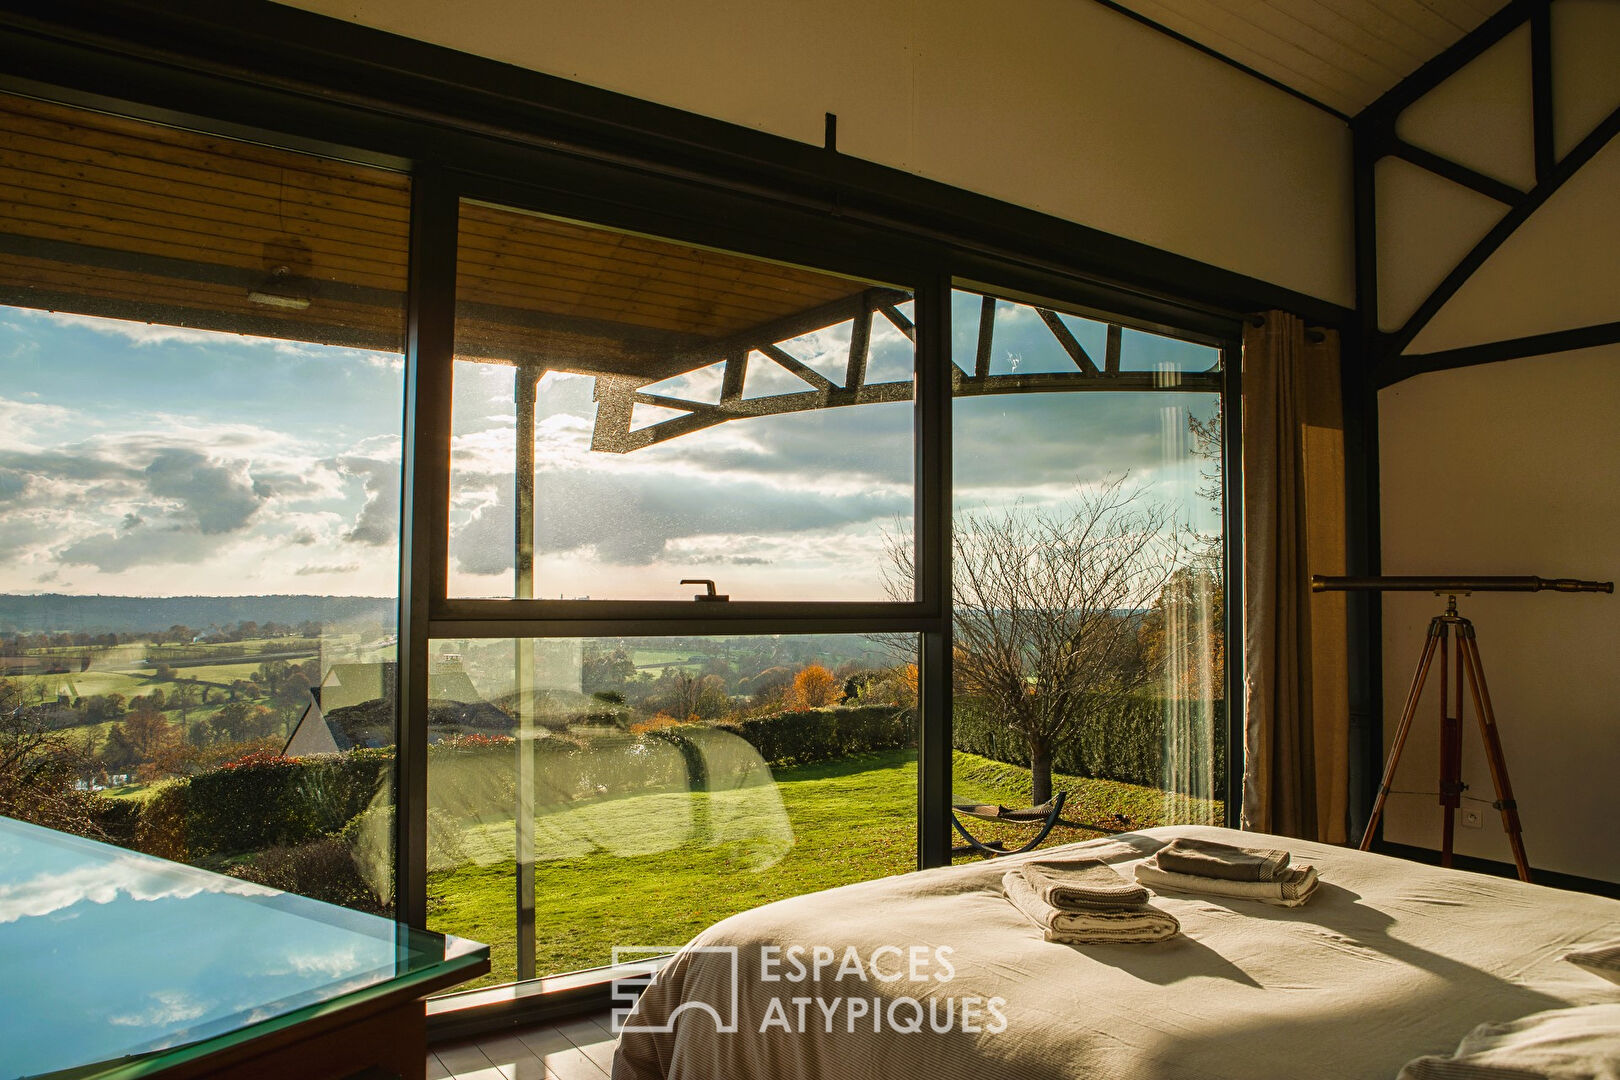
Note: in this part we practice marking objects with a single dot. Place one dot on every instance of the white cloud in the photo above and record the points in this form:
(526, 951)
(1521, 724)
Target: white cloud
(166, 1008)
(133, 876)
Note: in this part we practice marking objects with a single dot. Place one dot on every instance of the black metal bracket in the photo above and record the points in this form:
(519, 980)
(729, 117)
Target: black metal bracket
(1376, 138)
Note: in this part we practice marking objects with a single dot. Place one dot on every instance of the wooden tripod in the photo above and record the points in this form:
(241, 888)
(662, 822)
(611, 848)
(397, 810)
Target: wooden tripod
(1441, 627)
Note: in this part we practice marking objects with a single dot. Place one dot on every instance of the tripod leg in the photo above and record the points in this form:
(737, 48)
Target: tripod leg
(1493, 747)
(1450, 749)
(1404, 729)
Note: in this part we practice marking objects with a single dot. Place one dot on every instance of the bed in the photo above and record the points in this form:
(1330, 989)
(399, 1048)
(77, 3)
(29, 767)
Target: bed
(1390, 960)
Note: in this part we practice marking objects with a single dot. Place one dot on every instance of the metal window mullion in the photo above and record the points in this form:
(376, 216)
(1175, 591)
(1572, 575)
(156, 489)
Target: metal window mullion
(933, 563)
(424, 515)
(1232, 506)
(525, 391)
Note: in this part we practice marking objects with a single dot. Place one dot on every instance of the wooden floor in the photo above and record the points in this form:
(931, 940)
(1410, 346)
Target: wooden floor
(580, 1049)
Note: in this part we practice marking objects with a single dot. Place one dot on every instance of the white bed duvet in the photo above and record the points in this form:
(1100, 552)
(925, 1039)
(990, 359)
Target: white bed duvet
(1390, 960)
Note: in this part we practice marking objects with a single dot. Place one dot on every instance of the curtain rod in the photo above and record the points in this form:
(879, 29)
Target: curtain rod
(1313, 334)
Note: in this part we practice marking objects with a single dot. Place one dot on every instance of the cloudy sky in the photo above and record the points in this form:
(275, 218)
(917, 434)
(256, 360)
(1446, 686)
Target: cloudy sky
(145, 460)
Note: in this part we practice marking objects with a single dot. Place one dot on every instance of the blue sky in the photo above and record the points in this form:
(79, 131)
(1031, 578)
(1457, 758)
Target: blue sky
(149, 460)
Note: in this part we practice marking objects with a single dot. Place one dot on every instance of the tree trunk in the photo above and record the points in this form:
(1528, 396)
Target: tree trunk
(1040, 772)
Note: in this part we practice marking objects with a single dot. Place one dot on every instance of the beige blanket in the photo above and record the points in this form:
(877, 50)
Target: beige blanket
(1390, 960)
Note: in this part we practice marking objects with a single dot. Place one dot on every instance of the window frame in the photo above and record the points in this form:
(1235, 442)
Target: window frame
(606, 159)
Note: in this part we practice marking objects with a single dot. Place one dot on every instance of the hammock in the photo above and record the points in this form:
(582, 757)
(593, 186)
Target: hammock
(1044, 815)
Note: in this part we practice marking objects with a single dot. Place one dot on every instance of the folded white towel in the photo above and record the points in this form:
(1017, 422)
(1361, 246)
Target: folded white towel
(1082, 885)
(1295, 886)
(1208, 858)
(1127, 925)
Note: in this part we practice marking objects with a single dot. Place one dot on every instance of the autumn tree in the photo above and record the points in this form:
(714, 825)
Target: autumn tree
(1183, 637)
(149, 734)
(815, 686)
(1047, 602)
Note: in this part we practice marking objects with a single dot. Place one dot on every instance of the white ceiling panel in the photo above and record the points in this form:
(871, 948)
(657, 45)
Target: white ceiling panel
(1342, 53)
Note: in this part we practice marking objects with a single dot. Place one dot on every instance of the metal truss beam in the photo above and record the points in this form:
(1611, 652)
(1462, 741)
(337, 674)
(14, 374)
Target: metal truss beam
(617, 396)
(1376, 138)
(1518, 213)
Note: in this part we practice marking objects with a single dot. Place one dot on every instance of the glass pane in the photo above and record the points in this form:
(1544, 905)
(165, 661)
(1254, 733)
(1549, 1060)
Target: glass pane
(200, 430)
(201, 958)
(1087, 591)
(1021, 339)
(627, 792)
(630, 412)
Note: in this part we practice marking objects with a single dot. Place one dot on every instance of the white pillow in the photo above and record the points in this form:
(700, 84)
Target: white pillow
(1602, 960)
(1561, 1044)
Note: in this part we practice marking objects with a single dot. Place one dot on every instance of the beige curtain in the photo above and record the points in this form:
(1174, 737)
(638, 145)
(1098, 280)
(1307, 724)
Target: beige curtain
(1296, 739)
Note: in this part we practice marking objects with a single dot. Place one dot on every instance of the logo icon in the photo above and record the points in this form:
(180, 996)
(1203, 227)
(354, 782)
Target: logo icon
(639, 963)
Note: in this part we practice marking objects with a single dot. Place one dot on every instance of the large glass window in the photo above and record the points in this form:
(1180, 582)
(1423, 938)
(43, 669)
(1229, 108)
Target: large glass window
(1087, 579)
(631, 412)
(200, 430)
(201, 398)
(592, 794)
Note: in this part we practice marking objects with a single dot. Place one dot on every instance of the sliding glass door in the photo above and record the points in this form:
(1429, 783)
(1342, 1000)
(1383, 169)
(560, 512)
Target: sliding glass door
(1088, 571)
(645, 429)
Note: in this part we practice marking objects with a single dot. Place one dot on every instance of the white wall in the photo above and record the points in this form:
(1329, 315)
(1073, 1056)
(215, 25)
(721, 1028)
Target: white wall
(1512, 468)
(1059, 105)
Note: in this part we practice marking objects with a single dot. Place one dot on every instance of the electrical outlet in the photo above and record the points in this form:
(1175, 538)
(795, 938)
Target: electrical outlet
(1472, 819)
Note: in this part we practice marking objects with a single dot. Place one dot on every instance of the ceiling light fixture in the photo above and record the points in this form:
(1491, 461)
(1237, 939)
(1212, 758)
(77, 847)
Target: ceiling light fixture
(280, 290)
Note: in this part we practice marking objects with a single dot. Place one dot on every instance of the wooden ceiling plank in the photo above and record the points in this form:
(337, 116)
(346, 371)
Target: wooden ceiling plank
(1284, 26)
(1392, 48)
(385, 205)
(98, 230)
(20, 273)
(1235, 39)
(622, 310)
(1463, 14)
(1434, 32)
(137, 136)
(585, 251)
(533, 285)
(634, 248)
(329, 242)
(546, 276)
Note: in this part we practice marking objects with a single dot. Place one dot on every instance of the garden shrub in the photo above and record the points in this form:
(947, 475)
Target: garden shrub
(321, 869)
(1117, 737)
(803, 736)
(260, 801)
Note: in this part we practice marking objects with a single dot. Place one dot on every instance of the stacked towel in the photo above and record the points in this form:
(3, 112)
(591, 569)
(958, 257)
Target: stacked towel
(1203, 866)
(1207, 858)
(1082, 884)
(1086, 902)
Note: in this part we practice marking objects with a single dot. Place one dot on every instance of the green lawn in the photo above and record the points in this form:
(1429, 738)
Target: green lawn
(656, 869)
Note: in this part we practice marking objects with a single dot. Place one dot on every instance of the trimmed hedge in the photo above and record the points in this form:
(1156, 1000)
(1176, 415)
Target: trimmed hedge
(1117, 737)
(260, 802)
(810, 735)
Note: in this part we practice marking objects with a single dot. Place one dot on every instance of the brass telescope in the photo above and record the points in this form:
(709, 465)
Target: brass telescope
(1443, 628)
(1456, 585)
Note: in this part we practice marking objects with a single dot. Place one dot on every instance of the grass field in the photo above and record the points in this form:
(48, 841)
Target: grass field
(655, 660)
(656, 869)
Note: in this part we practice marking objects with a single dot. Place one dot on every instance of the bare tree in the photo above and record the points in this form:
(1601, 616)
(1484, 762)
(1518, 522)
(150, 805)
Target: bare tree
(1047, 605)
(38, 768)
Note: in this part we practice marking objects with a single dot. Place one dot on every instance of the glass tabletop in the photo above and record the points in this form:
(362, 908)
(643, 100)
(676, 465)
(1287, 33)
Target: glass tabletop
(110, 960)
